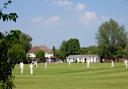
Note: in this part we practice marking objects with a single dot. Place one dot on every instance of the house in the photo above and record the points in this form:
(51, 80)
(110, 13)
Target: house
(83, 58)
(48, 52)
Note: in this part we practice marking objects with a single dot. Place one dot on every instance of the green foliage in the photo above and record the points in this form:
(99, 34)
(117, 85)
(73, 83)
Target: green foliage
(17, 52)
(59, 54)
(111, 37)
(40, 54)
(89, 50)
(70, 47)
(54, 50)
(121, 53)
(6, 42)
(6, 85)
(21, 41)
(9, 16)
(11, 52)
(64, 48)
(25, 40)
(6, 63)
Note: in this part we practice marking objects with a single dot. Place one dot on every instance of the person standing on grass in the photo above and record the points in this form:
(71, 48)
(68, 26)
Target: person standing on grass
(31, 68)
(21, 67)
(88, 63)
(126, 63)
(69, 63)
(45, 65)
(112, 64)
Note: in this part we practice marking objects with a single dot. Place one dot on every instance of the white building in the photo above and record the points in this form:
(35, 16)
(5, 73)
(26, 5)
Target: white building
(48, 52)
(83, 58)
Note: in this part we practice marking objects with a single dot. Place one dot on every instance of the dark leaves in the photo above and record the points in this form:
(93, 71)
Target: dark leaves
(8, 17)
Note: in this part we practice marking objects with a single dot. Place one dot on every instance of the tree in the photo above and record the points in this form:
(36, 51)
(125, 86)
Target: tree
(17, 53)
(59, 54)
(25, 40)
(63, 48)
(40, 54)
(6, 63)
(89, 50)
(11, 51)
(111, 37)
(70, 47)
(54, 51)
(18, 37)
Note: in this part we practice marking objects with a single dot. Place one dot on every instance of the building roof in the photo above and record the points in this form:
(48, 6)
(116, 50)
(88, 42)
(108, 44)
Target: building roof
(82, 56)
(42, 47)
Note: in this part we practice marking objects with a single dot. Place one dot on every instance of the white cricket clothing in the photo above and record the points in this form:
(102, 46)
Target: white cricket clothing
(69, 63)
(126, 63)
(45, 65)
(35, 64)
(21, 67)
(113, 64)
(31, 68)
(88, 63)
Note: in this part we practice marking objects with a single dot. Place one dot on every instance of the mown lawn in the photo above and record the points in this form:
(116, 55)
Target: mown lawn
(60, 76)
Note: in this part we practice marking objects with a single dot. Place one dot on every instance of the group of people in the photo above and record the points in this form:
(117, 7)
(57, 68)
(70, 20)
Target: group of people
(34, 63)
(112, 63)
(125, 63)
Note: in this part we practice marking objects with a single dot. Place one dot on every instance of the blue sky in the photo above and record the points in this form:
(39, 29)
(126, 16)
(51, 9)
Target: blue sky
(50, 22)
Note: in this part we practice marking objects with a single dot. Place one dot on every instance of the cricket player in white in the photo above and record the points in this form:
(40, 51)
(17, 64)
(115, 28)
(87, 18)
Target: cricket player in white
(35, 64)
(126, 63)
(112, 64)
(21, 67)
(45, 65)
(88, 63)
(69, 63)
(31, 68)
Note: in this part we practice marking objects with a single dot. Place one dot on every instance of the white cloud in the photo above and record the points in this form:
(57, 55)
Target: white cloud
(88, 18)
(60, 2)
(45, 20)
(53, 19)
(80, 7)
(37, 19)
(64, 2)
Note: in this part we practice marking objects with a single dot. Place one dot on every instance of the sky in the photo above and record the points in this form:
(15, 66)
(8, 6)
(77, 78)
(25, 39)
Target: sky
(49, 22)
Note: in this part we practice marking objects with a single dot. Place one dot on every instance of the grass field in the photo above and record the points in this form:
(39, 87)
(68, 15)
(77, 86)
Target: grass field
(60, 76)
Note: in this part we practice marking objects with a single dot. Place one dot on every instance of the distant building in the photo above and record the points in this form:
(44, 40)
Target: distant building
(83, 58)
(48, 52)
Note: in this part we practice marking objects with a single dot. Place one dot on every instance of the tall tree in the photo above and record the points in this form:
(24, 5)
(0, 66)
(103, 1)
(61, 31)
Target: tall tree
(70, 47)
(111, 37)
(11, 51)
(54, 51)
(64, 48)
(6, 63)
